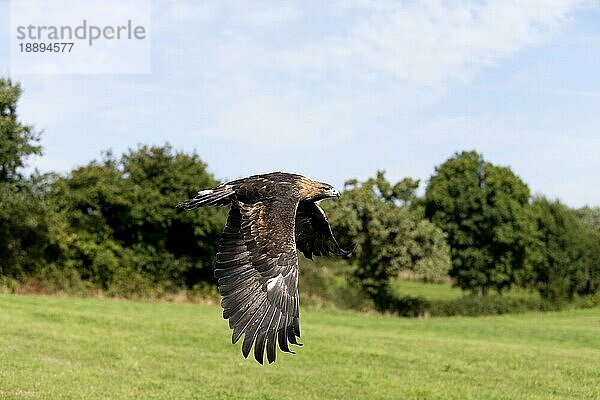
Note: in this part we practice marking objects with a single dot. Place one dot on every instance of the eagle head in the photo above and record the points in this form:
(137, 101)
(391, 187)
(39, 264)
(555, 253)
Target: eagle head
(315, 191)
(330, 191)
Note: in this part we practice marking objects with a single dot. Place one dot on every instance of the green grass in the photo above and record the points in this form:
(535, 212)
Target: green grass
(445, 291)
(430, 291)
(67, 348)
(324, 282)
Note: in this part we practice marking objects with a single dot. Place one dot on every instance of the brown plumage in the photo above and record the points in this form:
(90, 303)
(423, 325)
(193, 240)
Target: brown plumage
(257, 265)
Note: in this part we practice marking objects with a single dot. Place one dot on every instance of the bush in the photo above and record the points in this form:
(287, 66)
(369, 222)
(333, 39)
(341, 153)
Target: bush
(570, 248)
(474, 305)
(120, 221)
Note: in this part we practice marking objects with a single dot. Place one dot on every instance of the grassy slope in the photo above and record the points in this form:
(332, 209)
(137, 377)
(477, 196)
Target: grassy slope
(65, 348)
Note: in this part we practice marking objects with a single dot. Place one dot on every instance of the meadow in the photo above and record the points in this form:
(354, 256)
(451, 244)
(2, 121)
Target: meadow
(73, 348)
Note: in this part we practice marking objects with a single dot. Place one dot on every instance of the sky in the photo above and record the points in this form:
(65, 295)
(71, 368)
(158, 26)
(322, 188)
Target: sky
(338, 90)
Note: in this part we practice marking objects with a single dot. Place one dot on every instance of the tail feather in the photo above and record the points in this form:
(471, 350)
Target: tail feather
(209, 197)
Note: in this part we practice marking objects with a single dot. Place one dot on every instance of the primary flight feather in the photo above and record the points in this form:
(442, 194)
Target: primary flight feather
(257, 265)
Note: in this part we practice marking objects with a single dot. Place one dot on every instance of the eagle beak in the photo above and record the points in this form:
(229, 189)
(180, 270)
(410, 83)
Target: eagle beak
(334, 193)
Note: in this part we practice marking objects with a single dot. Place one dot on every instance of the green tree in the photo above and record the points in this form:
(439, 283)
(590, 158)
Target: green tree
(17, 141)
(23, 214)
(590, 215)
(571, 252)
(121, 216)
(484, 209)
(390, 235)
(25, 224)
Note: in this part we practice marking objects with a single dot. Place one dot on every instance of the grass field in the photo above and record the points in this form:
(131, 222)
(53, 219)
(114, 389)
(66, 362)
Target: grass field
(431, 291)
(67, 348)
(444, 291)
(320, 277)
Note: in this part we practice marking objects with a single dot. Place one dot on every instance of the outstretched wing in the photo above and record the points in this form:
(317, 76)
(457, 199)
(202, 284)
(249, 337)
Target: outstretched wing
(313, 232)
(257, 272)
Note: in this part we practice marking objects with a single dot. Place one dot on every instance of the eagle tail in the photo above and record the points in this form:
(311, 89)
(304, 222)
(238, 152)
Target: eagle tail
(209, 197)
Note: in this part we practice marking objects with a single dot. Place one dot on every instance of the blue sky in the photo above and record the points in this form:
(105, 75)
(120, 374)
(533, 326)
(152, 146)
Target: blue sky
(336, 90)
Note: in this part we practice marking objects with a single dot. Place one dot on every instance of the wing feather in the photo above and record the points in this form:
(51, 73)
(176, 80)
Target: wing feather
(261, 336)
(282, 337)
(257, 275)
(313, 232)
(252, 328)
(272, 338)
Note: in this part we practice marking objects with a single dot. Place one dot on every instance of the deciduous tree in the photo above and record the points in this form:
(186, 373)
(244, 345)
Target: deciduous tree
(484, 209)
(390, 234)
(571, 252)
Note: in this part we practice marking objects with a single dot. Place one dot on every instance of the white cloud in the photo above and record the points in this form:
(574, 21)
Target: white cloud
(384, 60)
(428, 43)
(380, 65)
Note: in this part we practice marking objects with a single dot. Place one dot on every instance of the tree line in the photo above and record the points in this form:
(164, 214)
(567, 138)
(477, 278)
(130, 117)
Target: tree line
(111, 225)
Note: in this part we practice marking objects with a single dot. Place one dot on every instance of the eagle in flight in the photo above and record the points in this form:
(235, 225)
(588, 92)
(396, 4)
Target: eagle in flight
(257, 265)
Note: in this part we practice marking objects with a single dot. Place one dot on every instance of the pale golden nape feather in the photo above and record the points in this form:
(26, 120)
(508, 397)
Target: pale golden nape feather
(309, 189)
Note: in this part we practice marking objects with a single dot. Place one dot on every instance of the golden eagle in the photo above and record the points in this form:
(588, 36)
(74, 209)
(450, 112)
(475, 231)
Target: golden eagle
(257, 265)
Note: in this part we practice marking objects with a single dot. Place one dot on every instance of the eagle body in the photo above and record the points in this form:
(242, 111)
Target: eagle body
(271, 216)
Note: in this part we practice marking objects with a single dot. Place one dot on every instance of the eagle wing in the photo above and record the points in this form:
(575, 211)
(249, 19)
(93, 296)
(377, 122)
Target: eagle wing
(313, 232)
(257, 272)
